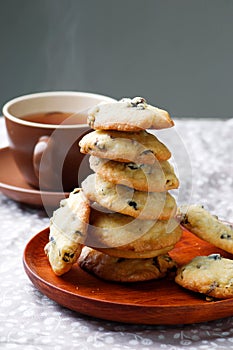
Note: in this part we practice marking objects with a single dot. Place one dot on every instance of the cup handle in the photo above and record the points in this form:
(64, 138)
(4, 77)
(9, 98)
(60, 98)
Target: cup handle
(38, 152)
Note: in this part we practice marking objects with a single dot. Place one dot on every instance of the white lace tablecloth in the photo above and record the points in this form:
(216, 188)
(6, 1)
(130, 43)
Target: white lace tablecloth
(202, 152)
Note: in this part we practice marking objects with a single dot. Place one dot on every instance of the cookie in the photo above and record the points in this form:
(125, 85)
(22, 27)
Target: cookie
(68, 227)
(206, 226)
(128, 115)
(138, 147)
(117, 231)
(125, 270)
(125, 200)
(211, 275)
(132, 254)
(158, 177)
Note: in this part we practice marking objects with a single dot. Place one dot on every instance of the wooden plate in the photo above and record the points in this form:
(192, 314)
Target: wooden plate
(153, 302)
(13, 185)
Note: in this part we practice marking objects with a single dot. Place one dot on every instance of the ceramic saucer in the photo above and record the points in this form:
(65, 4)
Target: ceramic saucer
(13, 185)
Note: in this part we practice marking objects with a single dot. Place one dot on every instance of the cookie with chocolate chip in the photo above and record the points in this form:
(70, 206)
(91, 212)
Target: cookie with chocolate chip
(68, 227)
(211, 275)
(125, 270)
(128, 115)
(126, 200)
(158, 177)
(138, 147)
(207, 226)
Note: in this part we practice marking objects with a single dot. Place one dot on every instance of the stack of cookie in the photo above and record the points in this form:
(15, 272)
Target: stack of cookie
(120, 225)
(131, 227)
(122, 219)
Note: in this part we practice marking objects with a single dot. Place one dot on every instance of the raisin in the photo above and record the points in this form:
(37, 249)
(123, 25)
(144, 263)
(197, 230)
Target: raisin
(214, 256)
(212, 287)
(167, 258)
(67, 257)
(52, 239)
(63, 203)
(156, 263)
(91, 120)
(225, 236)
(132, 166)
(79, 233)
(184, 220)
(133, 204)
(147, 151)
(99, 145)
(138, 101)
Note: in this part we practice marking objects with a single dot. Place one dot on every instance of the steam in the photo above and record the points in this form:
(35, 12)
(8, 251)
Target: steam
(65, 59)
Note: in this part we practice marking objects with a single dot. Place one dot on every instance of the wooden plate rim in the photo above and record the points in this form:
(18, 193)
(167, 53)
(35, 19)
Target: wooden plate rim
(44, 286)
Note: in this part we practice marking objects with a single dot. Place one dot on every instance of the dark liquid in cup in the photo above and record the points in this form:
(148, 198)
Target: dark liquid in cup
(55, 118)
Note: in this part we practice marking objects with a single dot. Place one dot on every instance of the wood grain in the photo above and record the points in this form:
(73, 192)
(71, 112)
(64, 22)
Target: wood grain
(152, 302)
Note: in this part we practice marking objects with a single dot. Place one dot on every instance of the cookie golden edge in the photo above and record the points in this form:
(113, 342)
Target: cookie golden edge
(208, 227)
(125, 270)
(139, 177)
(138, 147)
(124, 200)
(205, 275)
(103, 116)
(121, 234)
(65, 243)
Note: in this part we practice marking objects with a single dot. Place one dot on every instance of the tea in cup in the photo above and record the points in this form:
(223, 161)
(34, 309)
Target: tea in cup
(44, 130)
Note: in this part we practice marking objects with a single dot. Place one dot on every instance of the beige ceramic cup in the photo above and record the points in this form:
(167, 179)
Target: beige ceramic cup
(48, 155)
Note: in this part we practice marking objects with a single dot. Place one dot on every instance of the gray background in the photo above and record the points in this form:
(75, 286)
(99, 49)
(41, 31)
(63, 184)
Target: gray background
(176, 53)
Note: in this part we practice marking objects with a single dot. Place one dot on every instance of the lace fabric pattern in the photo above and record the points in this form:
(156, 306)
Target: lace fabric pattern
(202, 156)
